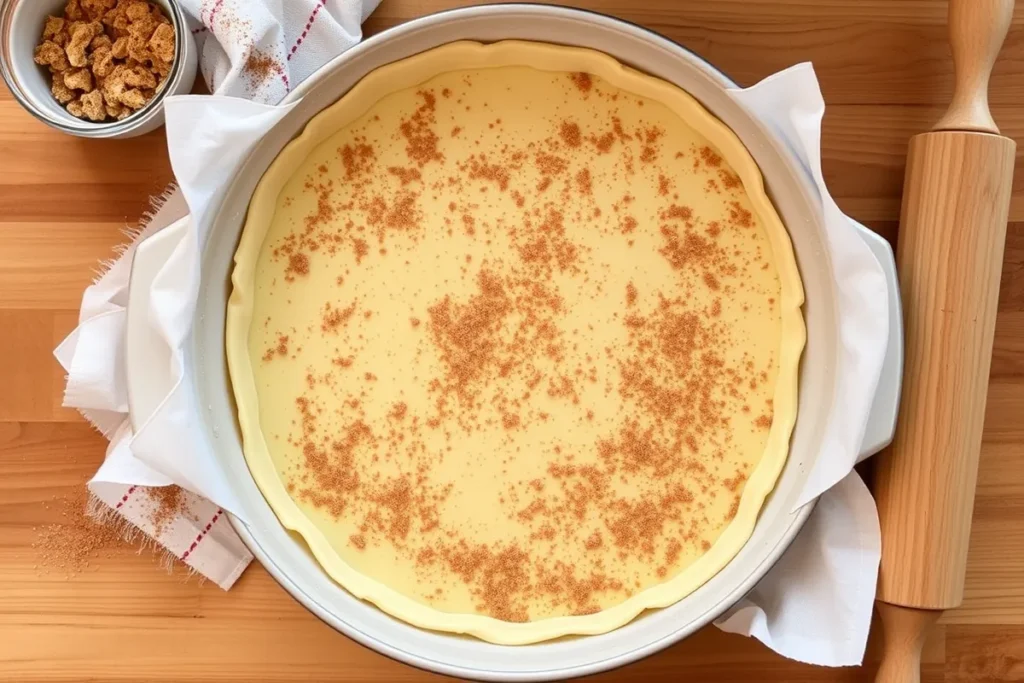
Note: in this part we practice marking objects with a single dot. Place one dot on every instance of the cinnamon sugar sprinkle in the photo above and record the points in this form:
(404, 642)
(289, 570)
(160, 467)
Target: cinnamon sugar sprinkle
(167, 503)
(73, 543)
(620, 501)
(583, 81)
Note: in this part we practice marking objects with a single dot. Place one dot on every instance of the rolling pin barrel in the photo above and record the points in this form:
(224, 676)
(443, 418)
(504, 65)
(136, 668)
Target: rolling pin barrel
(952, 231)
(950, 254)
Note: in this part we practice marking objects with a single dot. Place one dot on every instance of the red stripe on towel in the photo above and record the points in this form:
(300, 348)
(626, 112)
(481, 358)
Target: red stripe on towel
(305, 32)
(125, 497)
(202, 535)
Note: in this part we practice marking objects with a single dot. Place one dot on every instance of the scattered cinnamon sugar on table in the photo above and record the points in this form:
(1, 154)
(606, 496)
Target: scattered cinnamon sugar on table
(70, 545)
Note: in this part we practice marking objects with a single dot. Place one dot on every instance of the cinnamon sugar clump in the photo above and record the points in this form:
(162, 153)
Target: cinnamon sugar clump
(259, 67)
(548, 164)
(684, 213)
(168, 503)
(740, 216)
(729, 179)
(325, 210)
(604, 142)
(663, 185)
(550, 245)
(333, 318)
(332, 465)
(465, 332)
(421, 140)
(278, 349)
(687, 248)
(298, 264)
(710, 157)
(357, 159)
(360, 248)
(480, 169)
(583, 81)
(405, 175)
(583, 181)
(570, 134)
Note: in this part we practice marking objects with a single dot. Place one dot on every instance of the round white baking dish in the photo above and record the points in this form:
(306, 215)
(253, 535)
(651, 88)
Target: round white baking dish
(795, 196)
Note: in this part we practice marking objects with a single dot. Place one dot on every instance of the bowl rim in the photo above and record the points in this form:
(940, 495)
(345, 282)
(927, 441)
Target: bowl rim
(80, 127)
(598, 664)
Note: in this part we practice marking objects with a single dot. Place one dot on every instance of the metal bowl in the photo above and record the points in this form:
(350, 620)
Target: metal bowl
(21, 24)
(795, 196)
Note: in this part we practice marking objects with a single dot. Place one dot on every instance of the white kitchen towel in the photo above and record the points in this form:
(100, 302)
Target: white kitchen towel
(261, 49)
(253, 49)
(812, 605)
(815, 604)
(785, 103)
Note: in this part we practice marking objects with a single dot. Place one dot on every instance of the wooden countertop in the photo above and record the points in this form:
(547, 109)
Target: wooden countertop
(886, 74)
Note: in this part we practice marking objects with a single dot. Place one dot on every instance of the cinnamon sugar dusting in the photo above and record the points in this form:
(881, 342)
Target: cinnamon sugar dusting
(570, 134)
(583, 181)
(298, 264)
(418, 131)
(583, 81)
(334, 317)
(356, 159)
(168, 503)
(710, 157)
(405, 175)
(519, 383)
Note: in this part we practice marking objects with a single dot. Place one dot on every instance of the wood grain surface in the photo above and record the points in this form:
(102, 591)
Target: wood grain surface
(886, 74)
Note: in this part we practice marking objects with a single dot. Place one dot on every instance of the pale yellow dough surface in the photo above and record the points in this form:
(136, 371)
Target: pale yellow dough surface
(515, 350)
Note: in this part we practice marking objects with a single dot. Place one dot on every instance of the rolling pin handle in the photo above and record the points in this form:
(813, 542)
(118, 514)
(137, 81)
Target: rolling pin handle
(904, 630)
(977, 29)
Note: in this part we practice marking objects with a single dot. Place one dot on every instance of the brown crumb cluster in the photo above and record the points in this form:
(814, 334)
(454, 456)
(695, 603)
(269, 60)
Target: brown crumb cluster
(107, 58)
(625, 499)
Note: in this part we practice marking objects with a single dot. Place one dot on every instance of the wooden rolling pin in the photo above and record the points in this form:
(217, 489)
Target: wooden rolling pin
(952, 230)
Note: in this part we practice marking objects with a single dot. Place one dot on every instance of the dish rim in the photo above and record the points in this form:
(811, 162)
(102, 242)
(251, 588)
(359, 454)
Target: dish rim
(789, 523)
(239, 323)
